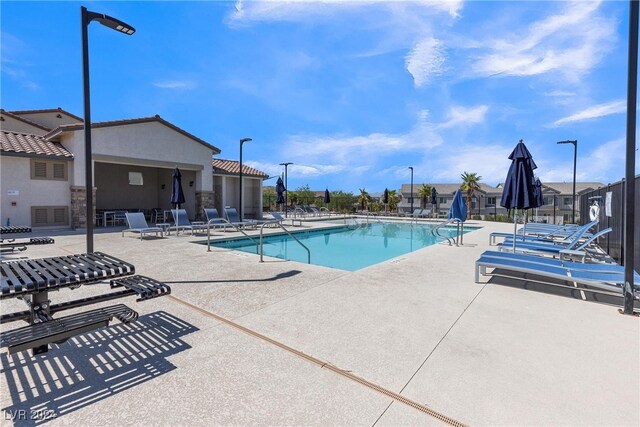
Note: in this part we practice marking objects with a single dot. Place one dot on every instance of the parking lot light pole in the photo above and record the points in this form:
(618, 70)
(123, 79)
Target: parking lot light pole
(575, 157)
(242, 141)
(411, 167)
(86, 17)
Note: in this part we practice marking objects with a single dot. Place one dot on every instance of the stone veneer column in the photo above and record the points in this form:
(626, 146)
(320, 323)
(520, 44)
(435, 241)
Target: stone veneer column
(204, 199)
(79, 207)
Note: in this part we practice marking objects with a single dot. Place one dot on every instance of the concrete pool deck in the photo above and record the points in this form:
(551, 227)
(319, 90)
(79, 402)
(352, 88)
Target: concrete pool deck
(416, 326)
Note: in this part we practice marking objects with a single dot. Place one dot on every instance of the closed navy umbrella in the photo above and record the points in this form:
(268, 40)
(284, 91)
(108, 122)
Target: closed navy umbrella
(385, 198)
(177, 195)
(458, 207)
(280, 189)
(434, 196)
(539, 200)
(519, 187)
(327, 196)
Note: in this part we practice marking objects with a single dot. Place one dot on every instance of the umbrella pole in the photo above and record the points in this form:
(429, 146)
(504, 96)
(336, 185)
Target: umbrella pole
(524, 227)
(515, 225)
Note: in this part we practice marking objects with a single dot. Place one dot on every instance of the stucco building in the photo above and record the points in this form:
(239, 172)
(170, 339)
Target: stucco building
(43, 168)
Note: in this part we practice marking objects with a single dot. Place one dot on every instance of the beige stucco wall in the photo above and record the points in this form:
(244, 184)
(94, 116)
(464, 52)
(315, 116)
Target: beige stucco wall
(148, 144)
(229, 194)
(49, 119)
(14, 125)
(15, 175)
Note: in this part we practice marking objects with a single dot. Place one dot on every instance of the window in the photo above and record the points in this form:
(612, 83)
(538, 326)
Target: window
(491, 201)
(49, 169)
(548, 200)
(442, 200)
(566, 201)
(49, 215)
(135, 178)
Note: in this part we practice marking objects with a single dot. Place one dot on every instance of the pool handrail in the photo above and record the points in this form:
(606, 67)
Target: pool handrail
(209, 224)
(435, 231)
(286, 231)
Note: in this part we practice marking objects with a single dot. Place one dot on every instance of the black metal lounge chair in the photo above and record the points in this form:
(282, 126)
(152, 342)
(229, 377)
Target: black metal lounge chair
(11, 245)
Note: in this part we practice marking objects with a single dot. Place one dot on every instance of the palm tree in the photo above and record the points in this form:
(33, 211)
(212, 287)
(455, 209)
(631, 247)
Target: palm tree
(363, 198)
(424, 192)
(470, 184)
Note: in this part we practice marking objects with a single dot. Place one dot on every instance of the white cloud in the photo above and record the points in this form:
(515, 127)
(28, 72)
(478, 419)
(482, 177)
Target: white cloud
(490, 161)
(425, 61)
(175, 84)
(570, 42)
(595, 111)
(305, 10)
(459, 115)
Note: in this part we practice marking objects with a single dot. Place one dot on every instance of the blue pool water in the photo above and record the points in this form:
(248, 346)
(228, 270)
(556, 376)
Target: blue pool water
(345, 248)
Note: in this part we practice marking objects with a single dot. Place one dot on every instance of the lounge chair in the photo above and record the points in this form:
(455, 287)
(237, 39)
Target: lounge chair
(213, 218)
(138, 224)
(181, 222)
(567, 275)
(562, 232)
(311, 211)
(416, 213)
(589, 267)
(299, 211)
(576, 245)
(234, 219)
(280, 219)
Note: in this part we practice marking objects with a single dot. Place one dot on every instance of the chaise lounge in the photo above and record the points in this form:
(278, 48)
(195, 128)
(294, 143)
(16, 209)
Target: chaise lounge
(138, 224)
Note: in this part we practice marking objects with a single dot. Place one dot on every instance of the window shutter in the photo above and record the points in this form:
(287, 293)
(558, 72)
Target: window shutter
(40, 216)
(40, 169)
(59, 216)
(59, 171)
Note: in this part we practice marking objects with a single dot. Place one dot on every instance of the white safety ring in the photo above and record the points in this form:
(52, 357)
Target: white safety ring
(594, 212)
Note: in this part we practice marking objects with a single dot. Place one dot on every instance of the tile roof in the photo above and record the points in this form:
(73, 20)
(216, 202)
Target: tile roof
(31, 145)
(567, 187)
(22, 119)
(232, 167)
(48, 110)
(444, 189)
(73, 127)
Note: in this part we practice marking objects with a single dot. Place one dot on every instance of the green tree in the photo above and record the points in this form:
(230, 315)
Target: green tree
(470, 184)
(363, 199)
(268, 198)
(424, 192)
(305, 195)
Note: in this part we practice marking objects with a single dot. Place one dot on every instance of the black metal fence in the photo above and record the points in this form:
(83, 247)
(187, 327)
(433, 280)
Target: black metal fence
(613, 241)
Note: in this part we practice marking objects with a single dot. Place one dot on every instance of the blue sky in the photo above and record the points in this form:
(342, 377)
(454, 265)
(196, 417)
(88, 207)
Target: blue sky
(351, 92)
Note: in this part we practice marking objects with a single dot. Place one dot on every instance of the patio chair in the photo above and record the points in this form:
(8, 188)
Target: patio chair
(554, 248)
(564, 233)
(416, 213)
(213, 218)
(310, 211)
(568, 274)
(181, 222)
(138, 224)
(234, 219)
(280, 219)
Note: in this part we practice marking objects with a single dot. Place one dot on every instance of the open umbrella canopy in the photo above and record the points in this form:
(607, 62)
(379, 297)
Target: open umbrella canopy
(518, 190)
(177, 195)
(458, 207)
(280, 189)
(539, 200)
(385, 198)
(327, 196)
(434, 196)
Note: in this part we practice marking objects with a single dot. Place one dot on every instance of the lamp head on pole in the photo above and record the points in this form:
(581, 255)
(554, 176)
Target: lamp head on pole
(108, 21)
(243, 140)
(574, 142)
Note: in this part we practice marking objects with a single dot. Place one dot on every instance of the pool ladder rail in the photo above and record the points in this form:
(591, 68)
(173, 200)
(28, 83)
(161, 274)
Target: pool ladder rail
(435, 231)
(277, 224)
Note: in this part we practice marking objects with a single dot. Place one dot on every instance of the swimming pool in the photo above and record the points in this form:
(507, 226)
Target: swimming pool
(343, 247)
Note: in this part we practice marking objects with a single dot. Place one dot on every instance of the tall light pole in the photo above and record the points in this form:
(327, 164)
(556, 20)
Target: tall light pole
(286, 186)
(242, 141)
(411, 199)
(575, 157)
(86, 17)
(630, 162)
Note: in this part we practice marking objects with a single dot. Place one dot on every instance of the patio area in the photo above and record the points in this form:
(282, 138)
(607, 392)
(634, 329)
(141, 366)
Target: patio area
(411, 341)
